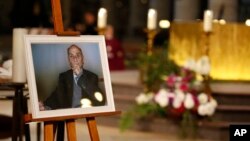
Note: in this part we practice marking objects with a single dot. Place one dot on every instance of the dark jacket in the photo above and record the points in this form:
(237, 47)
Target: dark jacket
(62, 96)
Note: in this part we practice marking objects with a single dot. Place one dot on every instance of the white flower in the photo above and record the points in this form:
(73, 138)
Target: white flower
(188, 102)
(213, 102)
(178, 99)
(143, 98)
(210, 109)
(203, 65)
(206, 109)
(202, 110)
(190, 64)
(177, 103)
(202, 98)
(161, 98)
(180, 94)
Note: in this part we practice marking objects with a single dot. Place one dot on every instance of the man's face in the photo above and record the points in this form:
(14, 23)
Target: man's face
(75, 58)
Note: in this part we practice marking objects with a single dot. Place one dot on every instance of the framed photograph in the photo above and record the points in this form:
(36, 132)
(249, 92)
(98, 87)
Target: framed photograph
(68, 75)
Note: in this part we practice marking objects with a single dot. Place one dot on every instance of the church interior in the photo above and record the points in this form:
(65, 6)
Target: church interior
(176, 69)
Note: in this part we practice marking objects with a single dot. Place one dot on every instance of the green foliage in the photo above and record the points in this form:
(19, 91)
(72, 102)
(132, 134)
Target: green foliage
(137, 112)
(154, 66)
(188, 125)
(126, 121)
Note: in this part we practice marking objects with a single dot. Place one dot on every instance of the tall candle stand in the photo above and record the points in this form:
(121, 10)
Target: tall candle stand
(150, 40)
(147, 66)
(206, 78)
(101, 31)
(207, 43)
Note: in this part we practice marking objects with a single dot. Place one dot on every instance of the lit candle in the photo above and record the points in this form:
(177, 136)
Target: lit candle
(102, 18)
(152, 19)
(208, 19)
(18, 70)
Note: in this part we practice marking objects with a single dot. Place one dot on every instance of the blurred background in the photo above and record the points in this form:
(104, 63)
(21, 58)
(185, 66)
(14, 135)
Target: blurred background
(128, 17)
(178, 27)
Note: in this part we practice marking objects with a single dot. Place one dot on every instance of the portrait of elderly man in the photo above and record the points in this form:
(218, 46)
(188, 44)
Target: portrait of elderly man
(77, 87)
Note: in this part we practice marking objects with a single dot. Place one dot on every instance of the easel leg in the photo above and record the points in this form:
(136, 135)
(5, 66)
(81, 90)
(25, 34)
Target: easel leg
(92, 129)
(48, 131)
(15, 118)
(38, 131)
(71, 130)
(18, 112)
(59, 130)
(26, 126)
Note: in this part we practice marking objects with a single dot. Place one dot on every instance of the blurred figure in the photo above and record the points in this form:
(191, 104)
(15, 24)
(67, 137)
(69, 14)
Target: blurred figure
(114, 50)
(88, 24)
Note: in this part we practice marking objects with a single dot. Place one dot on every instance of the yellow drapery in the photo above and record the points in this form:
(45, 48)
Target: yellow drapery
(229, 48)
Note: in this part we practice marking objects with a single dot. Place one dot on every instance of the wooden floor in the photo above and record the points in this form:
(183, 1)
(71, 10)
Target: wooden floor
(113, 134)
(106, 133)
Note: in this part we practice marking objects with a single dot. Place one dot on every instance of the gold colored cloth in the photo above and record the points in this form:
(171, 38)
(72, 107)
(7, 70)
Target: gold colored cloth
(228, 44)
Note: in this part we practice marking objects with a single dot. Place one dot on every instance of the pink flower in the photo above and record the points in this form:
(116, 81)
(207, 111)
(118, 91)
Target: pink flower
(171, 81)
(184, 87)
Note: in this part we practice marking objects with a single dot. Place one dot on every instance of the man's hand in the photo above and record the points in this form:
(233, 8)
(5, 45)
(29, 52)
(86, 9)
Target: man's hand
(76, 69)
(41, 106)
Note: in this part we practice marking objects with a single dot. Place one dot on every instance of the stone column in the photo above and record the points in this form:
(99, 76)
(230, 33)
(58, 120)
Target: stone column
(224, 9)
(163, 8)
(138, 15)
(186, 10)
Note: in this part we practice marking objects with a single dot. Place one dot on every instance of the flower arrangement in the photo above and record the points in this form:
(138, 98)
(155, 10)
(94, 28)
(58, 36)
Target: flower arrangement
(186, 92)
(182, 95)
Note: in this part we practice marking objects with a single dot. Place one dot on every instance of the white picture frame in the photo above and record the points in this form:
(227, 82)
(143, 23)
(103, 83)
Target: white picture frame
(46, 57)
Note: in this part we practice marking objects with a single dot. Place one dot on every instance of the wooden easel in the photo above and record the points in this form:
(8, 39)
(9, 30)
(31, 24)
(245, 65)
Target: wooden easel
(70, 120)
(70, 124)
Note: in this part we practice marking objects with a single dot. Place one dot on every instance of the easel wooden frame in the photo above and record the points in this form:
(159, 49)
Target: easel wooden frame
(70, 120)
